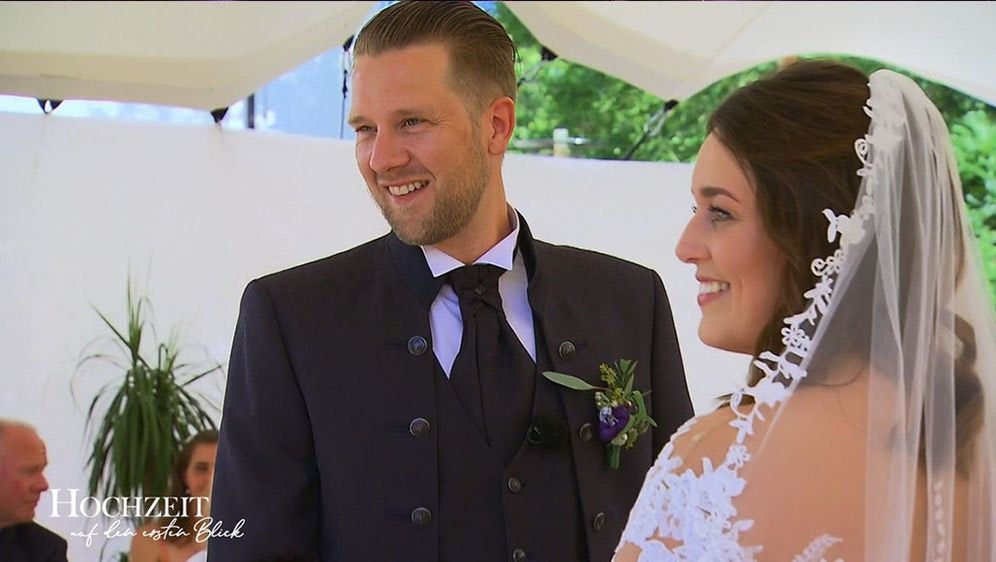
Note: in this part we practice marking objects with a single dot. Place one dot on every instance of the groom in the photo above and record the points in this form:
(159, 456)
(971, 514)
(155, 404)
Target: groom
(387, 403)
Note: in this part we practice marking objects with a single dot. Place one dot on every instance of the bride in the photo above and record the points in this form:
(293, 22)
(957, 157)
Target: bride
(831, 242)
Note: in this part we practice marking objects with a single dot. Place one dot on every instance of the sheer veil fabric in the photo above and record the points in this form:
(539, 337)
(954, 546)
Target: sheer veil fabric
(872, 436)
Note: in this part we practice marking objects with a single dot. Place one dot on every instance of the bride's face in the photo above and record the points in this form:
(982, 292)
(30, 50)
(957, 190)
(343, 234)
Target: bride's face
(737, 265)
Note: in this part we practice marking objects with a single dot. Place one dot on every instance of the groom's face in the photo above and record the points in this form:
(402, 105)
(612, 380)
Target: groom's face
(420, 151)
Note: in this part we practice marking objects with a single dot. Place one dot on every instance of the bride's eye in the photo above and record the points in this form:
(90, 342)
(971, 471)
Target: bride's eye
(718, 214)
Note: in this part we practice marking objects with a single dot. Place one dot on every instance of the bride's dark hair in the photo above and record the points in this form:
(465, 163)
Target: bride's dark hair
(793, 135)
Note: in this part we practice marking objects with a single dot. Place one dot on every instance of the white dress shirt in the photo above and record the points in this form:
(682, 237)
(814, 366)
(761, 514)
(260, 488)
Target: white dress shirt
(445, 320)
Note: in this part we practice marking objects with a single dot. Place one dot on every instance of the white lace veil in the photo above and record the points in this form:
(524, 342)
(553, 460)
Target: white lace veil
(881, 446)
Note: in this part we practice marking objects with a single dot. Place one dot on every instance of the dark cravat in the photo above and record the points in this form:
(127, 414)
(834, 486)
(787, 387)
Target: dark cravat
(492, 374)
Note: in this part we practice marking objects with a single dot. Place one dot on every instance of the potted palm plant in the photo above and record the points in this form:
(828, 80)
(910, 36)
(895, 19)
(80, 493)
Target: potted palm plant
(137, 422)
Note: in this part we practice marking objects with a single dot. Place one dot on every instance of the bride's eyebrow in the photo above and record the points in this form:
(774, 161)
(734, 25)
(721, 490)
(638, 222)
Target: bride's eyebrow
(709, 191)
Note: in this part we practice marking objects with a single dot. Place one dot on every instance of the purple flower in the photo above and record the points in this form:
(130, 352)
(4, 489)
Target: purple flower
(611, 420)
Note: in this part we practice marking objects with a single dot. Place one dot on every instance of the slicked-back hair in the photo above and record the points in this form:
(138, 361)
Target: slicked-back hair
(482, 55)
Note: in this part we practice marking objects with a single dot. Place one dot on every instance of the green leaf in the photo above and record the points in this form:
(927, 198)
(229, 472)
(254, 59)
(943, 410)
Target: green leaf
(627, 374)
(612, 456)
(569, 381)
(626, 366)
(641, 409)
(629, 441)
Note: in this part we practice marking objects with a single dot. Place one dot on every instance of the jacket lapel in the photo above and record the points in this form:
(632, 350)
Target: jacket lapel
(408, 291)
(562, 331)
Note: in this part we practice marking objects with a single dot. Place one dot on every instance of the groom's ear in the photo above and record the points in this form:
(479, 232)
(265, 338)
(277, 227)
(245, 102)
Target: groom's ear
(499, 124)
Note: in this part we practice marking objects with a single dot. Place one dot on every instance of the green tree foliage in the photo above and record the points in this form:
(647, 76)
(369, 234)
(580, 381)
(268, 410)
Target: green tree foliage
(613, 114)
(974, 137)
(609, 112)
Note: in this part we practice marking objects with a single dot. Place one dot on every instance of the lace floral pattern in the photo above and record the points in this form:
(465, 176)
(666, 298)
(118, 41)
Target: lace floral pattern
(697, 511)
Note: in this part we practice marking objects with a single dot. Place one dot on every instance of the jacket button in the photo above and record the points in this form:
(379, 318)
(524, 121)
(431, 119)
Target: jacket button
(419, 427)
(585, 432)
(421, 516)
(514, 485)
(518, 555)
(567, 350)
(599, 521)
(417, 345)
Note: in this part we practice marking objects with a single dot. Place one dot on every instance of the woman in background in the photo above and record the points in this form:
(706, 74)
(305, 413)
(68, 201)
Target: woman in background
(191, 477)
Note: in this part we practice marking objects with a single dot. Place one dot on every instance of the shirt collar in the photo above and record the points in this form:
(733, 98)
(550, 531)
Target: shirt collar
(501, 254)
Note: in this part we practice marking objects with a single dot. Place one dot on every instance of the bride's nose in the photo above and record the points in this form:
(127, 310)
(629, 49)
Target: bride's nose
(690, 248)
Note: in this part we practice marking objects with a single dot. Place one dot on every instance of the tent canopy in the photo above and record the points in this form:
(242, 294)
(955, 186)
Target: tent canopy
(208, 55)
(675, 49)
(202, 55)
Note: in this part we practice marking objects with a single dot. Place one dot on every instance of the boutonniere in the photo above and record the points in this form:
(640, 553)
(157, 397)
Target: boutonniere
(622, 412)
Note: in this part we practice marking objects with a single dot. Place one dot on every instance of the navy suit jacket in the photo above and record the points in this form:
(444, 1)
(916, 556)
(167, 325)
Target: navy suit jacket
(30, 542)
(326, 361)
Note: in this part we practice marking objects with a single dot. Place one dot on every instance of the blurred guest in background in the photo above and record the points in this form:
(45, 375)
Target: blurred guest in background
(191, 478)
(22, 461)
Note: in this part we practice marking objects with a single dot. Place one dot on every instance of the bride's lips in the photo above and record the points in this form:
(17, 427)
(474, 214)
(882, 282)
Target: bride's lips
(711, 290)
